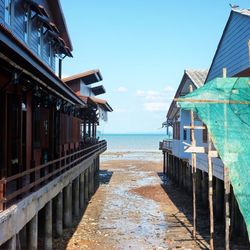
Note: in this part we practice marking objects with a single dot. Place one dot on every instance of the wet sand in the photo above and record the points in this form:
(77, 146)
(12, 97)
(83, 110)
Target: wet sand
(135, 208)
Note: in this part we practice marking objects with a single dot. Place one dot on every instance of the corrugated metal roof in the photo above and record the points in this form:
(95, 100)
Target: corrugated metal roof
(96, 101)
(88, 77)
(198, 77)
(245, 12)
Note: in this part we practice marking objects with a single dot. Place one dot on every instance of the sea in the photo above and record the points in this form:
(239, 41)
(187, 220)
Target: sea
(133, 147)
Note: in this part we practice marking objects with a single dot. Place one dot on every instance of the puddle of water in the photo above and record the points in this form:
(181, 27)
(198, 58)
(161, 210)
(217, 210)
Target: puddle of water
(139, 222)
(155, 156)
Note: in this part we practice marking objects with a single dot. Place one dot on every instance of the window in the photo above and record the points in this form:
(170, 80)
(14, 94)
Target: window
(7, 11)
(184, 134)
(176, 131)
(26, 26)
(50, 54)
(204, 134)
(82, 130)
(39, 41)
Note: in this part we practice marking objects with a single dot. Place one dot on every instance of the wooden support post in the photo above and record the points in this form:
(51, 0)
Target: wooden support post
(226, 180)
(227, 212)
(86, 189)
(164, 162)
(76, 196)
(199, 184)
(33, 233)
(205, 189)
(82, 202)
(167, 164)
(210, 193)
(12, 243)
(48, 226)
(67, 200)
(193, 143)
(59, 214)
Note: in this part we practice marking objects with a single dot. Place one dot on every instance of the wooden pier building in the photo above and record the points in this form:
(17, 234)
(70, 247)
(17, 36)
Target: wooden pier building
(232, 55)
(49, 151)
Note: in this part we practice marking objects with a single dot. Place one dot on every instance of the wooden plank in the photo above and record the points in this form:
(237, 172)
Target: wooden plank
(191, 149)
(194, 127)
(194, 149)
(205, 101)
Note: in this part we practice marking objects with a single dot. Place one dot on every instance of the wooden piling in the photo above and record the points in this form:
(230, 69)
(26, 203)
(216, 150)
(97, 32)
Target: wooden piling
(210, 193)
(227, 212)
(82, 199)
(226, 180)
(86, 189)
(193, 143)
(12, 243)
(205, 189)
(59, 214)
(33, 233)
(67, 200)
(48, 226)
(76, 196)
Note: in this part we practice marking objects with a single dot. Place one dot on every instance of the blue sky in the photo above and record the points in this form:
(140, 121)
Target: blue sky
(142, 48)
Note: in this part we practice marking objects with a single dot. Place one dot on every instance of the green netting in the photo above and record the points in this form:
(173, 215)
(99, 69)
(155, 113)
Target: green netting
(224, 106)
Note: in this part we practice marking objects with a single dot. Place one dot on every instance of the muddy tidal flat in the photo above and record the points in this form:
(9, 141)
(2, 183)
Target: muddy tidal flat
(136, 208)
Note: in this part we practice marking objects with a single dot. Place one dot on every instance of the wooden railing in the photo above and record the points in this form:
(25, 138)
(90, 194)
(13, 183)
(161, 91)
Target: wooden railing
(31, 180)
(166, 144)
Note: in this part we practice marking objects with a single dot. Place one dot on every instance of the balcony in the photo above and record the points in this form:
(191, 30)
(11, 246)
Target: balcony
(166, 145)
(36, 178)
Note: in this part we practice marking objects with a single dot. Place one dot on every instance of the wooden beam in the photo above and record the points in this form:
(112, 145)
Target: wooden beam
(194, 127)
(210, 193)
(201, 150)
(194, 149)
(226, 187)
(212, 101)
(193, 143)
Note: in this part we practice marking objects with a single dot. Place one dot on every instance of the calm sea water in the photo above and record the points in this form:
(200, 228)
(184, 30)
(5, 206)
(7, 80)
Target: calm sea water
(133, 146)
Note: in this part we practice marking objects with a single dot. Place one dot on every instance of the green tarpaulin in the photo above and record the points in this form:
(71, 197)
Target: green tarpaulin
(224, 106)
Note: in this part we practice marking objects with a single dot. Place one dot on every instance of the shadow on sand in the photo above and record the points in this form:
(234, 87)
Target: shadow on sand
(103, 178)
(183, 201)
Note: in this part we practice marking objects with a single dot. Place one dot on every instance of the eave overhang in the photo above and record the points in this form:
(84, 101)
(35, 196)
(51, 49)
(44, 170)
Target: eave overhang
(16, 51)
(98, 90)
(88, 77)
(95, 102)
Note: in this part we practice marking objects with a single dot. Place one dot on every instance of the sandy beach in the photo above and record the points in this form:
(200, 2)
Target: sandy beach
(136, 208)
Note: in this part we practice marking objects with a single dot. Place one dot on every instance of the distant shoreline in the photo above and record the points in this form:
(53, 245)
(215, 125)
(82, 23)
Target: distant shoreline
(155, 134)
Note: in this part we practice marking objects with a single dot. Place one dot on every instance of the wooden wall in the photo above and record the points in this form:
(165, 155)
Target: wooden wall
(233, 51)
(18, 28)
(1, 11)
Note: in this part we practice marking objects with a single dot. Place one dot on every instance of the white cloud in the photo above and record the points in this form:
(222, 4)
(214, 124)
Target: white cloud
(156, 106)
(120, 110)
(156, 100)
(140, 93)
(148, 95)
(169, 89)
(122, 89)
(65, 75)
